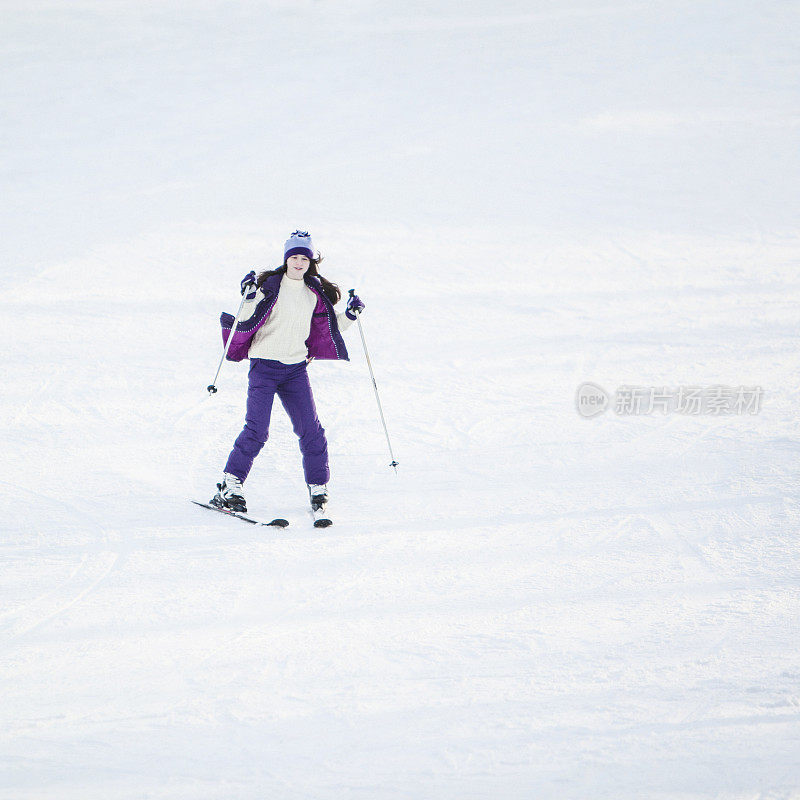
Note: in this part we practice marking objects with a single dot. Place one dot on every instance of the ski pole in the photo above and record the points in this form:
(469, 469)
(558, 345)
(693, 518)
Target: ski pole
(212, 386)
(375, 386)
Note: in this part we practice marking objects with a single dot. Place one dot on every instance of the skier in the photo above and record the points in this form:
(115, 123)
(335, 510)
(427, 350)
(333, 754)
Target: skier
(287, 320)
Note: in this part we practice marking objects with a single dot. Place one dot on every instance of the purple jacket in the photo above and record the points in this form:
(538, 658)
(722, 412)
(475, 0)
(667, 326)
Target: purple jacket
(324, 341)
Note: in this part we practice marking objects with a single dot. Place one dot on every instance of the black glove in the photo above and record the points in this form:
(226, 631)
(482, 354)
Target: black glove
(248, 280)
(354, 306)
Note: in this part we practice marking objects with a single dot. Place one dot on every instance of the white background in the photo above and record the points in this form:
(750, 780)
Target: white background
(527, 196)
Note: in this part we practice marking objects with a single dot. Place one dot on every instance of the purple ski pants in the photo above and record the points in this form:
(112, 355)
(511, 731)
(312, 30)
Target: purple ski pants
(290, 382)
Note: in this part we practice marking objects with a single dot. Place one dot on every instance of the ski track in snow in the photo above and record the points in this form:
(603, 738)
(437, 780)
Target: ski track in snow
(537, 605)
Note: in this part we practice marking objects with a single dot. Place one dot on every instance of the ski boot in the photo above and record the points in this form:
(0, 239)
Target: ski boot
(229, 494)
(318, 493)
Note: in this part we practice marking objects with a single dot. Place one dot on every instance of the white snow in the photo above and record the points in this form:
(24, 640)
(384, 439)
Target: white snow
(527, 196)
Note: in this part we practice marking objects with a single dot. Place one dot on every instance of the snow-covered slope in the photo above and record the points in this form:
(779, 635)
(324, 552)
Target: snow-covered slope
(537, 605)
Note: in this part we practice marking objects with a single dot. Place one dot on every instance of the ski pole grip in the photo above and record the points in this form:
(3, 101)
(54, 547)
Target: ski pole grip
(352, 293)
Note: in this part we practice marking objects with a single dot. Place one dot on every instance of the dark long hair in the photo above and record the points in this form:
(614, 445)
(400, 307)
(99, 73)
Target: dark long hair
(331, 290)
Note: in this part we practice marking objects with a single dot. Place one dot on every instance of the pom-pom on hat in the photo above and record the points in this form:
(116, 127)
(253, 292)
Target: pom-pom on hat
(298, 244)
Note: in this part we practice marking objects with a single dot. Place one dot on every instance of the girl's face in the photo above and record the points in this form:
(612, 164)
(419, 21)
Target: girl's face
(296, 266)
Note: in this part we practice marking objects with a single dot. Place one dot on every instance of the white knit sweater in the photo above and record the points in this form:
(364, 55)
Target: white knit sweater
(283, 336)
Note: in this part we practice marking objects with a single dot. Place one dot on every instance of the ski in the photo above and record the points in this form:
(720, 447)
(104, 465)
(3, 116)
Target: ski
(276, 523)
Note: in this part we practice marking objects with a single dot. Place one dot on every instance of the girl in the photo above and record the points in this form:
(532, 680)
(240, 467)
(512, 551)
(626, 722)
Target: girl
(287, 320)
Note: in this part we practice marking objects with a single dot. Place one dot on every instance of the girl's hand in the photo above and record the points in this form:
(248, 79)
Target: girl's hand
(248, 280)
(354, 306)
